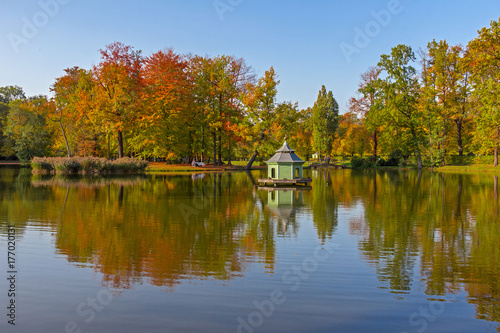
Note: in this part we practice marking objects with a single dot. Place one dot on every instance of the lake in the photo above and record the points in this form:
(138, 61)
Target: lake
(361, 251)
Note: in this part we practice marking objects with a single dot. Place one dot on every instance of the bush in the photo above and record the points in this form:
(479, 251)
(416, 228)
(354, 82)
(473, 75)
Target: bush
(42, 164)
(395, 158)
(369, 162)
(88, 165)
(360, 162)
(66, 164)
(381, 162)
(127, 164)
(356, 162)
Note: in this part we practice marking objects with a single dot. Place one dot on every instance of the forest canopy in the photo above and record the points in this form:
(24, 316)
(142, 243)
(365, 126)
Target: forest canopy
(431, 104)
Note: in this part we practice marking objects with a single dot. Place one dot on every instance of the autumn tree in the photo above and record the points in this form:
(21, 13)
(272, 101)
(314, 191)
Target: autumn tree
(304, 142)
(219, 82)
(484, 60)
(353, 137)
(65, 91)
(166, 118)
(287, 123)
(448, 86)
(367, 104)
(260, 105)
(118, 88)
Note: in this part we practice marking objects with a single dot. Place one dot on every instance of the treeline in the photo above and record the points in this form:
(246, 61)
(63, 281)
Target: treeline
(449, 106)
(182, 107)
(163, 106)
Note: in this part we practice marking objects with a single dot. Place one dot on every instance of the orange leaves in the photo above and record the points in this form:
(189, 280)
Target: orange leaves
(166, 80)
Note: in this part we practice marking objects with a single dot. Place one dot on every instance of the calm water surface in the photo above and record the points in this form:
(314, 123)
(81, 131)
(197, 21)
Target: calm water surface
(362, 251)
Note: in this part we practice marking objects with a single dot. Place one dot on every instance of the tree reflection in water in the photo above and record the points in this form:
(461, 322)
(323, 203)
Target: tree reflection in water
(441, 228)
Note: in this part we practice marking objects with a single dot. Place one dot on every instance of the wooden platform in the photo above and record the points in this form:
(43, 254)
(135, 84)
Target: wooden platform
(284, 188)
(278, 182)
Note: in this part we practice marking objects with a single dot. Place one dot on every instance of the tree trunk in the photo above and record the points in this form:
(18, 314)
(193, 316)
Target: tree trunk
(229, 154)
(417, 149)
(219, 161)
(214, 137)
(202, 143)
(252, 159)
(444, 143)
(68, 153)
(109, 152)
(375, 144)
(120, 144)
(94, 152)
(496, 148)
(255, 153)
(459, 136)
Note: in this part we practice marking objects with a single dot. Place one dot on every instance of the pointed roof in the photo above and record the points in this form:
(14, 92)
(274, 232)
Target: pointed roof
(285, 155)
(285, 148)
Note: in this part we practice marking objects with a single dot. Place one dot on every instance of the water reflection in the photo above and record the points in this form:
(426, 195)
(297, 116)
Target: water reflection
(444, 225)
(284, 205)
(441, 230)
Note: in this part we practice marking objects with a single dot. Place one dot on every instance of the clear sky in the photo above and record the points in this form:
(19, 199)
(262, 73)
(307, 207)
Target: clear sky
(309, 43)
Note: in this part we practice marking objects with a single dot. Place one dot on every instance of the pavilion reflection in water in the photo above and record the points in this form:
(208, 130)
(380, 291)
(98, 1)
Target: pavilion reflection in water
(284, 203)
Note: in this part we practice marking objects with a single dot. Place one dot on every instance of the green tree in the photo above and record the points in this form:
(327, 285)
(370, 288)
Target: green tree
(400, 91)
(8, 94)
(325, 121)
(11, 93)
(27, 132)
(484, 60)
(450, 89)
(368, 104)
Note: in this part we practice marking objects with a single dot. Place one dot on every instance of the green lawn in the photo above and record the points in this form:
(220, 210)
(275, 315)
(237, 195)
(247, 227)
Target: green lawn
(470, 168)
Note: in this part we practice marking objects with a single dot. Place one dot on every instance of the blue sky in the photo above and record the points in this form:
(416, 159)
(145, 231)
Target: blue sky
(305, 41)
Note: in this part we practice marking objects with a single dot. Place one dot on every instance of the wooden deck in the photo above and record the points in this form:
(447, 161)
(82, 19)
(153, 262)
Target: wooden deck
(277, 182)
(284, 188)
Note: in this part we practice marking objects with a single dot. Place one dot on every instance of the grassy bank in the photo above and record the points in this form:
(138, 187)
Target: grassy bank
(159, 167)
(87, 165)
(468, 168)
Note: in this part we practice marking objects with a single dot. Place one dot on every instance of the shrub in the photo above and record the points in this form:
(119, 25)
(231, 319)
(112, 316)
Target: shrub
(66, 164)
(356, 162)
(92, 165)
(42, 164)
(366, 162)
(127, 164)
(88, 165)
(395, 158)
(381, 162)
(369, 162)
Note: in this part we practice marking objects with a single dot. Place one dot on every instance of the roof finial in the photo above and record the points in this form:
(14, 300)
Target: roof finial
(286, 137)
